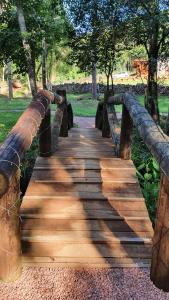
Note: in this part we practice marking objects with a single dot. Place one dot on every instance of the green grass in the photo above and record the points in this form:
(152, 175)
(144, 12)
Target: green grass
(17, 103)
(7, 121)
(163, 102)
(83, 105)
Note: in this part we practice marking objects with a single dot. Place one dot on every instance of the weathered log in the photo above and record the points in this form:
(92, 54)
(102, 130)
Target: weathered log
(64, 125)
(114, 128)
(10, 241)
(45, 138)
(160, 252)
(99, 116)
(116, 100)
(56, 128)
(153, 137)
(105, 127)
(125, 137)
(20, 138)
(107, 95)
(70, 115)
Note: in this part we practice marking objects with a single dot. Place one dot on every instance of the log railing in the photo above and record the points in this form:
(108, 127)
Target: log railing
(158, 144)
(35, 119)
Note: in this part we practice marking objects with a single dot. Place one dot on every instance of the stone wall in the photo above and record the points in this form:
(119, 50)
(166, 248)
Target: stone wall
(119, 88)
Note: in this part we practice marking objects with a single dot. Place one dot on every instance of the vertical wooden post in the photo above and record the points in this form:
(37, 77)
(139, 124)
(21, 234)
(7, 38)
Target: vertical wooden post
(160, 252)
(10, 240)
(105, 126)
(99, 116)
(45, 139)
(125, 137)
(64, 126)
(70, 115)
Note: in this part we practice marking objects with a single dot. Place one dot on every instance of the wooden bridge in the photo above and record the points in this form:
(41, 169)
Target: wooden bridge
(83, 206)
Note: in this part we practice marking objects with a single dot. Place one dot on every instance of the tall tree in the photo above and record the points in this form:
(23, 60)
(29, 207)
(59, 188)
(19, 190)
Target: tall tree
(10, 87)
(27, 48)
(149, 27)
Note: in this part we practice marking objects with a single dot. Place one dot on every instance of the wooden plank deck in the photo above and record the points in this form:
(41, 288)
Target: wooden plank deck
(84, 207)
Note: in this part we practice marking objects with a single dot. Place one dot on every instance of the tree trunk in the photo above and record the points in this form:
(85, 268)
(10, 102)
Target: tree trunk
(38, 69)
(108, 81)
(44, 79)
(152, 88)
(3, 74)
(112, 84)
(28, 54)
(94, 81)
(10, 88)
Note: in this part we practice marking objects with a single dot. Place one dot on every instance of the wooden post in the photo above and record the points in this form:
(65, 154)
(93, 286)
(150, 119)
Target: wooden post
(105, 126)
(99, 116)
(64, 126)
(160, 252)
(125, 137)
(10, 241)
(70, 115)
(45, 139)
(56, 128)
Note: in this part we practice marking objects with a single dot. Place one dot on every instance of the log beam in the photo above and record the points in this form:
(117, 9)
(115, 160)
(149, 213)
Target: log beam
(160, 252)
(10, 241)
(125, 137)
(20, 138)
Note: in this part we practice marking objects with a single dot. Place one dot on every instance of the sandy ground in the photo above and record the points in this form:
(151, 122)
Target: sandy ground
(94, 284)
(72, 284)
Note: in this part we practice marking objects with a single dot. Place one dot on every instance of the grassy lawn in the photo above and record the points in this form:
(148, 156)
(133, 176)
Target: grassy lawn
(7, 121)
(16, 103)
(83, 105)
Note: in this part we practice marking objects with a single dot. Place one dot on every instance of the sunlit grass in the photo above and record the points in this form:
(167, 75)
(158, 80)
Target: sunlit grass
(7, 121)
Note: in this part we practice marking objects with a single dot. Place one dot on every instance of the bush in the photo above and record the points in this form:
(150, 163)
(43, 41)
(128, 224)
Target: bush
(148, 174)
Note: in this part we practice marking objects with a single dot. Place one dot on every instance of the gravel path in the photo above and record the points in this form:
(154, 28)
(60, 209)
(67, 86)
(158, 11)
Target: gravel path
(94, 284)
(85, 122)
(84, 284)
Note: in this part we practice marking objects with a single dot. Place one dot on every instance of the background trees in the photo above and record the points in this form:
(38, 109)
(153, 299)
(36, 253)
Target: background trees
(21, 42)
(149, 26)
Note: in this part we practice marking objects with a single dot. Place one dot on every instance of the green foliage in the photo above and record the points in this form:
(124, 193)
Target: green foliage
(44, 19)
(148, 174)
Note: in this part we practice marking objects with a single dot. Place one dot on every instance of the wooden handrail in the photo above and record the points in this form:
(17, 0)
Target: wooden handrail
(36, 117)
(154, 138)
(158, 144)
(21, 136)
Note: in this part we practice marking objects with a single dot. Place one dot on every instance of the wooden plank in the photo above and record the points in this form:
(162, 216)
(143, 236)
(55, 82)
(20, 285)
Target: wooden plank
(86, 250)
(49, 204)
(127, 225)
(49, 189)
(97, 238)
(87, 175)
(94, 154)
(84, 206)
(82, 164)
(87, 236)
(83, 262)
(82, 215)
